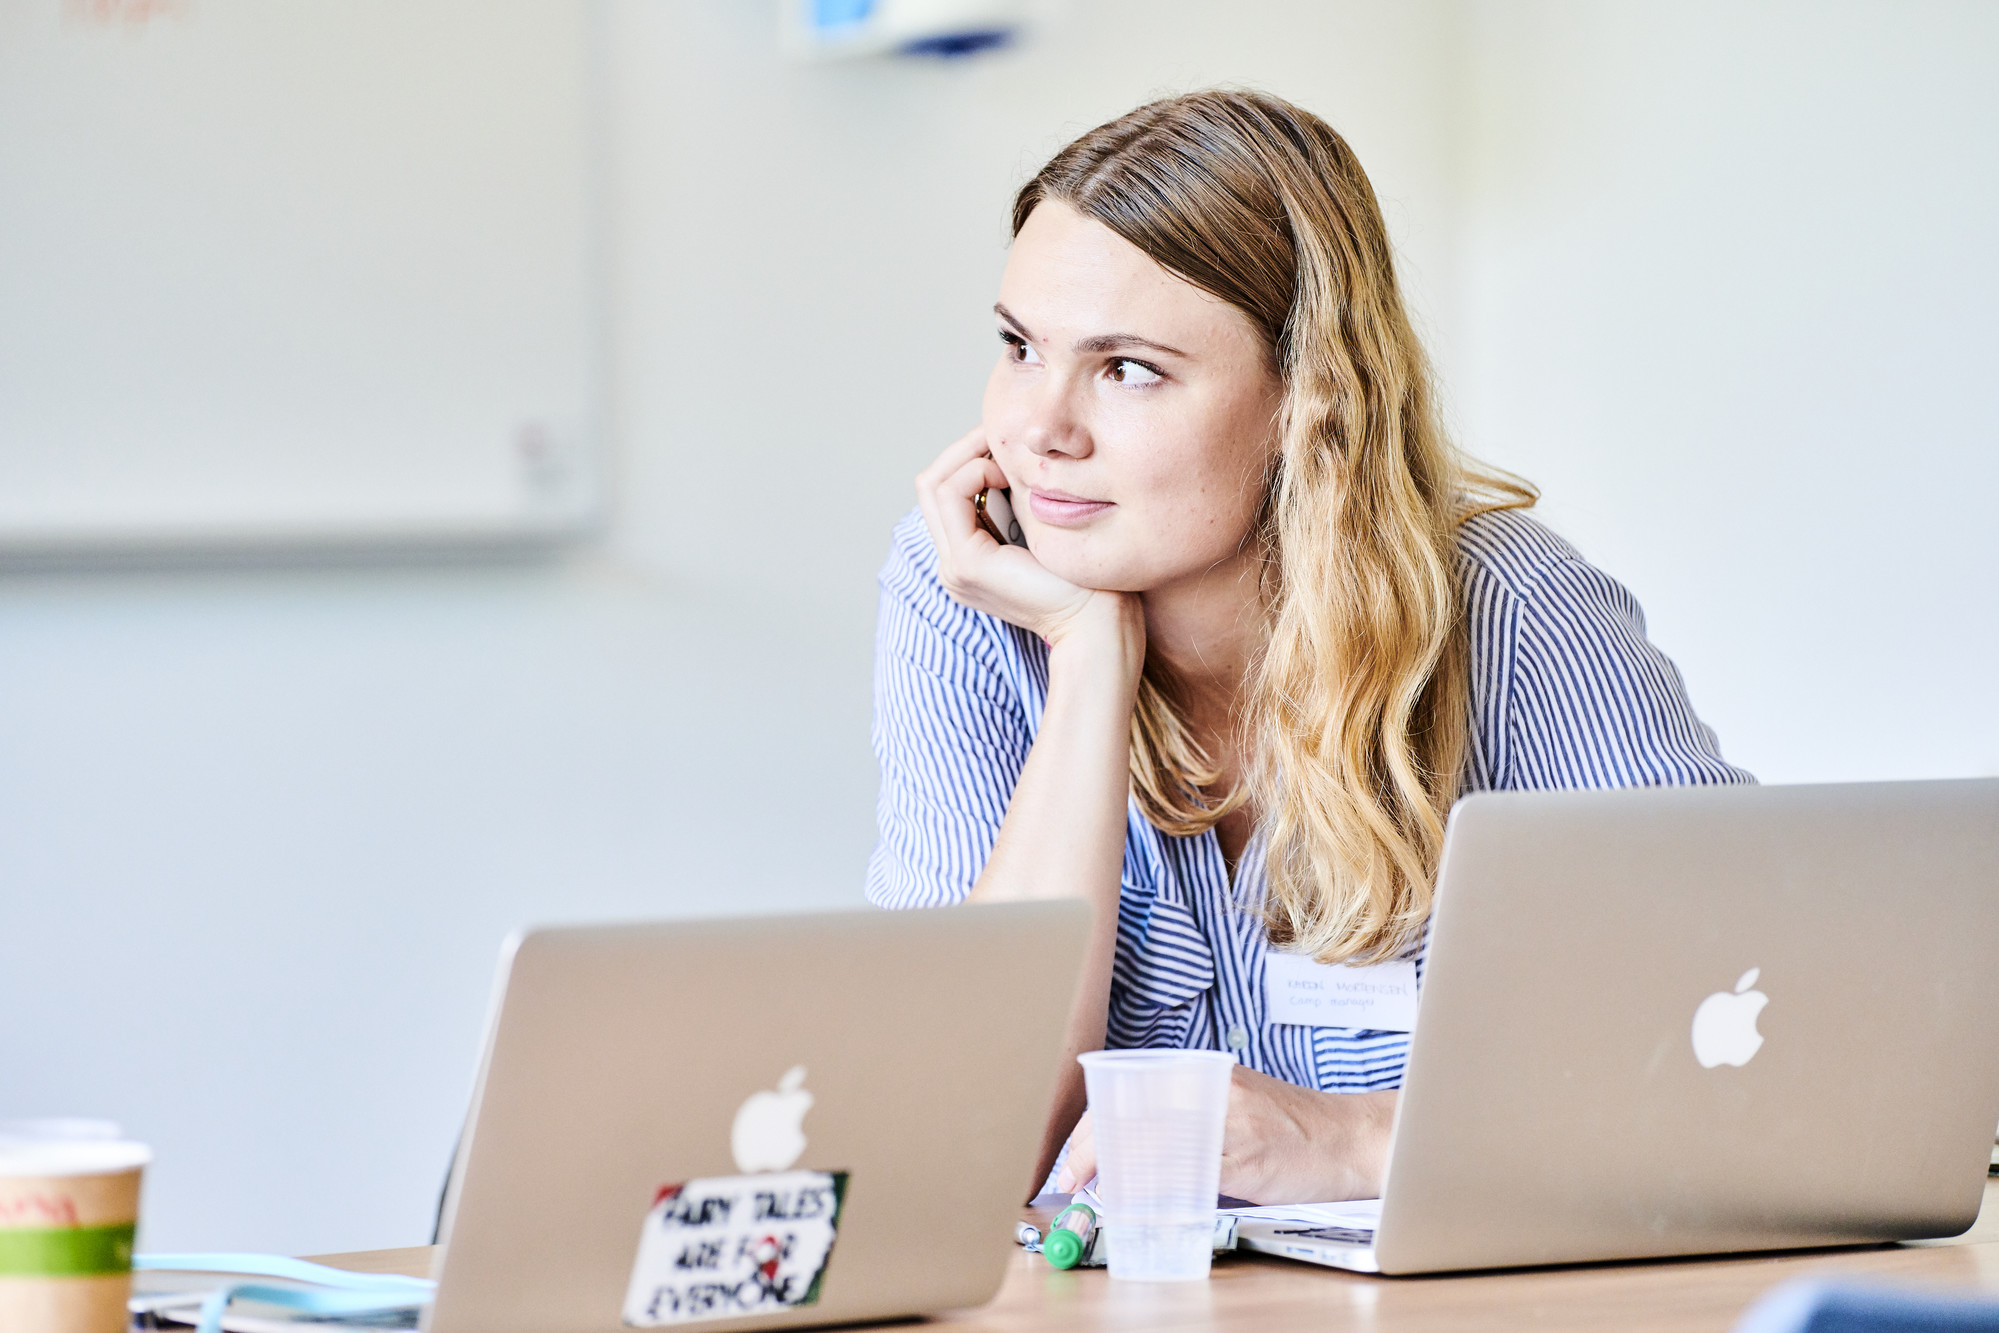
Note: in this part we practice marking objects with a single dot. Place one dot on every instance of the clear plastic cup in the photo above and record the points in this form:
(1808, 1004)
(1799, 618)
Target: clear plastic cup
(1158, 1117)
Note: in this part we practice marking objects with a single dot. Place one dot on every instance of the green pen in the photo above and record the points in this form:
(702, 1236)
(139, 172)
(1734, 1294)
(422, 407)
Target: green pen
(1068, 1238)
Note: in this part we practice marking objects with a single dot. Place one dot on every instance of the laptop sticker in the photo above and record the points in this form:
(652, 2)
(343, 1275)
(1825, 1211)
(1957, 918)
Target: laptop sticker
(730, 1246)
(1379, 998)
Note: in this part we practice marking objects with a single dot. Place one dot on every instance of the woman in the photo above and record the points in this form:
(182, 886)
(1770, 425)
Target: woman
(1266, 627)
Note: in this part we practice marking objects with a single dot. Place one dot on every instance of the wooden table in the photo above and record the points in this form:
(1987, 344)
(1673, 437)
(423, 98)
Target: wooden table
(1253, 1292)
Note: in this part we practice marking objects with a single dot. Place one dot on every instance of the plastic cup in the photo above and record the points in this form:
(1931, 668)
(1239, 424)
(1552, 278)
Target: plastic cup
(68, 1208)
(1158, 1117)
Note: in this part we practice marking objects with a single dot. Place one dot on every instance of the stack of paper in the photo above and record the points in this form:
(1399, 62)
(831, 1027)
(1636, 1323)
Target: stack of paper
(1355, 1214)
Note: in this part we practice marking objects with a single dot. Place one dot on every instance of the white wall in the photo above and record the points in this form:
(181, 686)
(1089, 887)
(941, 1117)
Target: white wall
(1731, 295)
(261, 832)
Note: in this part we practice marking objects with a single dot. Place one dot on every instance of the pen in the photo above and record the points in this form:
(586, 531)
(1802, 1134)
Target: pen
(1027, 1236)
(1068, 1238)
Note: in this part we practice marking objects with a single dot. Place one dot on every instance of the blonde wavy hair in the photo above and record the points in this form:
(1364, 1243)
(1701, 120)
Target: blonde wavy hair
(1355, 720)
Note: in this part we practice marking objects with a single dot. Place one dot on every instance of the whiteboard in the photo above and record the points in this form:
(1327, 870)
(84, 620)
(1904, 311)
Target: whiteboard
(295, 271)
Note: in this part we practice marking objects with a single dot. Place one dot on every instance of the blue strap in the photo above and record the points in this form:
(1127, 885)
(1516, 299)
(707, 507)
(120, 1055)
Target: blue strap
(341, 1292)
(278, 1265)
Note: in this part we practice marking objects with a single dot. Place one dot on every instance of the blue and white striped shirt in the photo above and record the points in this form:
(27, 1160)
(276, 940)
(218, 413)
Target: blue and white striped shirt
(1566, 692)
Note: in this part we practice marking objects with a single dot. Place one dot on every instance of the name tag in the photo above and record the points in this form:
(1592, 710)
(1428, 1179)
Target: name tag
(1381, 996)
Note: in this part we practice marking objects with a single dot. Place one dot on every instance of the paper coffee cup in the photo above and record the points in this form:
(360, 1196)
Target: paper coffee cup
(68, 1210)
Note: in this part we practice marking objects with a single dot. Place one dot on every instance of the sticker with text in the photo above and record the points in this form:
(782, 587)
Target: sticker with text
(734, 1245)
(1380, 997)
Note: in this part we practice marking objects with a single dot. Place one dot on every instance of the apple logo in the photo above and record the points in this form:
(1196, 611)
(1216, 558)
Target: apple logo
(769, 1133)
(1725, 1024)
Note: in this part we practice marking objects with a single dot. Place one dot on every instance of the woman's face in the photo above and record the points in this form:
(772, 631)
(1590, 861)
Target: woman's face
(1133, 414)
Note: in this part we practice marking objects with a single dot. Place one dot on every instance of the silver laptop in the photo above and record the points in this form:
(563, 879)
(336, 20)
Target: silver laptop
(1694, 1020)
(756, 1123)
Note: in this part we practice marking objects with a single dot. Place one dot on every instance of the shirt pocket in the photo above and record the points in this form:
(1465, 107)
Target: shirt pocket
(1355, 1059)
(1163, 958)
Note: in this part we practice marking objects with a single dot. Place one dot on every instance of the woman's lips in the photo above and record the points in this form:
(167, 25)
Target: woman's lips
(1062, 509)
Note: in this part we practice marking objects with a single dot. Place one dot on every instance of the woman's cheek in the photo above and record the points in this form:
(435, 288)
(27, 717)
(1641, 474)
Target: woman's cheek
(999, 412)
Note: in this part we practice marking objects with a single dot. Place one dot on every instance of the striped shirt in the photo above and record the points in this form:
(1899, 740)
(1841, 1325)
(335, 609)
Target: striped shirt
(1566, 692)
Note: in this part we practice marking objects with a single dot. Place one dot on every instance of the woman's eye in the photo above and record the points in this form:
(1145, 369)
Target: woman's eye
(1133, 372)
(1017, 349)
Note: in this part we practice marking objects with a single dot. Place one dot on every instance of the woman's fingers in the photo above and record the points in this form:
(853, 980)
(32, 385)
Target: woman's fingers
(969, 445)
(962, 545)
(958, 491)
(1079, 1168)
(942, 494)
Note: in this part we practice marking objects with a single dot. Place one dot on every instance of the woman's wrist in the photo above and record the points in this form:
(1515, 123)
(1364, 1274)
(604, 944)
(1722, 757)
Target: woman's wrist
(1105, 636)
(1366, 1123)
(1344, 1155)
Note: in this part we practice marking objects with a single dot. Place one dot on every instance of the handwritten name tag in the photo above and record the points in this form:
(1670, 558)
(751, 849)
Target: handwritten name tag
(1381, 996)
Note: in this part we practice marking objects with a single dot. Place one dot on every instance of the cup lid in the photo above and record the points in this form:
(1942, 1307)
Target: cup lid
(60, 1127)
(70, 1157)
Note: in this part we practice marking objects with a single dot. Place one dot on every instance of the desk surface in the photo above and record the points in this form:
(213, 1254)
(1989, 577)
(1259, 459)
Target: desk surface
(1260, 1293)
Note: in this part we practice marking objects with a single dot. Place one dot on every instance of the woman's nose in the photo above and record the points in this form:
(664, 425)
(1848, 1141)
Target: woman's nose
(1050, 427)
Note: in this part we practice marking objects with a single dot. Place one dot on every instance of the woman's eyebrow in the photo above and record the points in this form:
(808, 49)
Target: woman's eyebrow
(1099, 343)
(1117, 342)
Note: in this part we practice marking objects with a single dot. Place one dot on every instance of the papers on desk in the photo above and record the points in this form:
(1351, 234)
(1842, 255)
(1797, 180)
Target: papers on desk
(1358, 1214)
(175, 1313)
(1351, 1215)
(170, 1299)
(1354, 1215)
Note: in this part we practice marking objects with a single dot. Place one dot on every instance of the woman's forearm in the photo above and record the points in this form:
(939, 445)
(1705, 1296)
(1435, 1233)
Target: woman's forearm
(1064, 832)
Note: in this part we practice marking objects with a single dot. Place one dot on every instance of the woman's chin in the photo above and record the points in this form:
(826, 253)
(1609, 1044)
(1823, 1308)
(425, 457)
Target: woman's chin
(1105, 575)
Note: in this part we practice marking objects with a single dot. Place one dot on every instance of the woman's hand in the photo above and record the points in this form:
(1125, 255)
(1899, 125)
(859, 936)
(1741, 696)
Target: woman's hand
(1005, 581)
(1287, 1144)
(1283, 1143)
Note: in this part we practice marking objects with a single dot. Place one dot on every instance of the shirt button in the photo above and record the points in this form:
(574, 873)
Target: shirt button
(1238, 1039)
